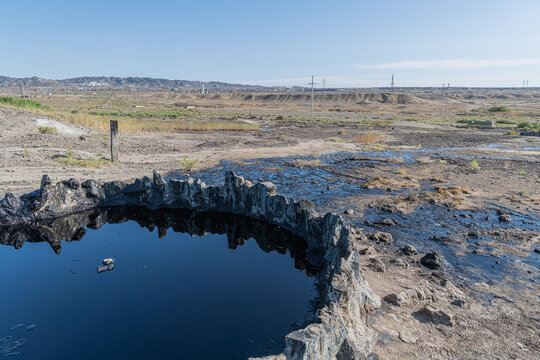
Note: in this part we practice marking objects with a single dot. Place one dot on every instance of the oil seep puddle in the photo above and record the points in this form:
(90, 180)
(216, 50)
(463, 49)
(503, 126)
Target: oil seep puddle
(329, 177)
(184, 285)
(469, 241)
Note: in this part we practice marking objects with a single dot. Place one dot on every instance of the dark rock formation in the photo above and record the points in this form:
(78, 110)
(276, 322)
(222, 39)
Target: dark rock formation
(344, 293)
(431, 260)
(409, 250)
(436, 316)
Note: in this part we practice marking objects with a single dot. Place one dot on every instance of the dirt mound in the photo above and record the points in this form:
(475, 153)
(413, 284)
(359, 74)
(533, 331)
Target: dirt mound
(330, 98)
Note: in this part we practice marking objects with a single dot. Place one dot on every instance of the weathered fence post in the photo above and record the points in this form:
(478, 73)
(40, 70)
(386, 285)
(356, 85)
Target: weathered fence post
(114, 140)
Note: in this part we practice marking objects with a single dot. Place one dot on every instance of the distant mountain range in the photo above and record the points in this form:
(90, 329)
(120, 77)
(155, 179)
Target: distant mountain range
(104, 82)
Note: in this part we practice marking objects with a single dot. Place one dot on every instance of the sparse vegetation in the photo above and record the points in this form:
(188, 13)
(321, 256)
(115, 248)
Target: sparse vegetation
(342, 132)
(474, 164)
(335, 139)
(187, 164)
(26, 104)
(373, 148)
(47, 130)
(511, 133)
(369, 138)
(529, 126)
(389, 184)
(377, 122)
(88, 163)
(499, 109)
(505, 122)
(70, 160)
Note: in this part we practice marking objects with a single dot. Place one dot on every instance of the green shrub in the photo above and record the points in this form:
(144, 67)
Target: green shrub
(22, 103)
(187, 164)
(505, 121)
(498, 109)
(47, 130)
(529, 126)
(511, 133)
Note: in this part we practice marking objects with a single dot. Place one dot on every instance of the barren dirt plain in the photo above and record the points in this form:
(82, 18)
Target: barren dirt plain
(413, 164)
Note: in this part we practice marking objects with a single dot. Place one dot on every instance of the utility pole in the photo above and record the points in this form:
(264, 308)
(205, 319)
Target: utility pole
(312, 83)
(392, 84)
(202, 90)
(324, 84)
(442, 99)
(447, 92)
(22, 89)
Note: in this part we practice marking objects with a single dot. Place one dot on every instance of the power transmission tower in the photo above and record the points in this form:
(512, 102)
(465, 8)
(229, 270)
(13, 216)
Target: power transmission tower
(527, 83)
(312, 83)
(392, 84)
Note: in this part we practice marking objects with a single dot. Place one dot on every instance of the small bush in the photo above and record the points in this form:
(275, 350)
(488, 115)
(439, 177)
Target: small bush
(342, 132)
(505, 121)
(47, 130)
(474, 164)
(529, 126)
(187, 164)
(498, 109)
(511, 133)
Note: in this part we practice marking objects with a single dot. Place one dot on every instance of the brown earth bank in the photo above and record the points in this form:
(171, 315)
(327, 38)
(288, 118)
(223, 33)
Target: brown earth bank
(400, 168)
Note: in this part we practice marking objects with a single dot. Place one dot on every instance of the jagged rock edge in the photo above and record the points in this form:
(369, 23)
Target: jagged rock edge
(341, 327)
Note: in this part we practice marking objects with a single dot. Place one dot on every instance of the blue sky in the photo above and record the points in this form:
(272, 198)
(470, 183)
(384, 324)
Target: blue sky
(349, 43)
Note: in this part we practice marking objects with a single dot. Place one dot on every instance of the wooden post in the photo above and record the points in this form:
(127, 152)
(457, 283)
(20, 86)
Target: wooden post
(114, 140)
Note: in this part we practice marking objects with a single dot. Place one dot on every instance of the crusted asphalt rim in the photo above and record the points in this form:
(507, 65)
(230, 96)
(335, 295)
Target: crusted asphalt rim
(341, 329)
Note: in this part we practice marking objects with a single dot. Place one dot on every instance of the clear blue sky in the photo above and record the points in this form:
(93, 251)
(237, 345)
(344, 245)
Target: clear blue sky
(350, 43)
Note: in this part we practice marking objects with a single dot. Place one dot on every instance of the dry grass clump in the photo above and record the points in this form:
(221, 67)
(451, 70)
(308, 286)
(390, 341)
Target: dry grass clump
(368, 138)
(88, 163)
(132, 122)
(71, 160)
(449, 195)
(452, 190)
(389, 184)
(138, 125)
(335, 139)
(47, 130)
